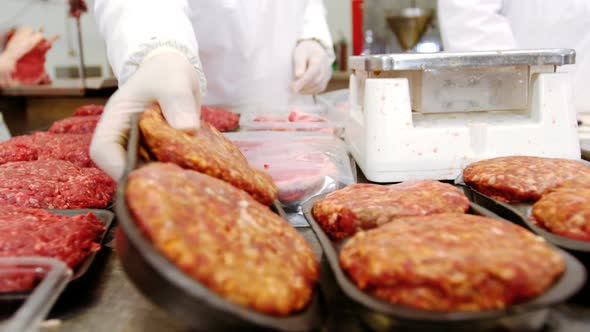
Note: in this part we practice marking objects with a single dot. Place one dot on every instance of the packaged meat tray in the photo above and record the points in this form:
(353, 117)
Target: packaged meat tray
(521, 213)
(161, 280)
(24, 311)
(381, 314)
(302, 165)
(307, 118)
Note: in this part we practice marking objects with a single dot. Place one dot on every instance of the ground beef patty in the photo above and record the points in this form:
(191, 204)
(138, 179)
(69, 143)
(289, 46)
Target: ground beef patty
(565, 212)
(206, 151)
(223, 238)
(520, 178)
(75, 125)
(451, 262)
(365, 206)
(87, 110)
(48, 146)
(36, 232)
(54, 184)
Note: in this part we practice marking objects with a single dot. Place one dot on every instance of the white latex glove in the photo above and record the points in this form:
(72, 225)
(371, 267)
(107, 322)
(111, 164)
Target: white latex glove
(165, 76)
(313, 68)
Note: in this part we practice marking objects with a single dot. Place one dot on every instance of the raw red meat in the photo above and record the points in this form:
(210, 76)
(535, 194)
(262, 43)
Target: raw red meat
(365, 206)
(77, 8)
(75, 125)
(219, 118)
(207, 151)
(223, 238)
(521, 178)
(54, 184)
(47, 146)
(30, 69)
(300, 116)
(451, 262)
(36, 232)
(90, 109)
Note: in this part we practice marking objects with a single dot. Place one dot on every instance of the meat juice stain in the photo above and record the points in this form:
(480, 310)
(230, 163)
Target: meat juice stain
(266, 166)
(435, 150)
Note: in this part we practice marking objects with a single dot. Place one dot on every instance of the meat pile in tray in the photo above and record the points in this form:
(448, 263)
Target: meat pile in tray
(558, 189)
(44, 171)
(207, 210)
(417, 244)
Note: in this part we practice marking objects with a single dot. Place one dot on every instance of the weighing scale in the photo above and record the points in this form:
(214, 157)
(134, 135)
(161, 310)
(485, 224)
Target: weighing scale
(427, 116)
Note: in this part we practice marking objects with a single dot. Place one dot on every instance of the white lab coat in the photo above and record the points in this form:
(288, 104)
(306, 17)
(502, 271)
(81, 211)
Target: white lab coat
(245, 46)
(469, 25)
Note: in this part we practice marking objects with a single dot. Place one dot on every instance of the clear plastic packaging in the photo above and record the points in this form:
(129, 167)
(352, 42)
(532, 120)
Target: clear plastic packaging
(29, 286)
(301, 164)
(307, 118)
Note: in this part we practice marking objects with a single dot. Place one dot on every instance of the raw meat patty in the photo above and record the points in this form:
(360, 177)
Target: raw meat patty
(565, 212)
(54, 184)
(219, 118)
(206, 151)
(520, 178)
(365, 206)
(87, 110)
(30, 69)
(579, 181)
(48, 146)
(451, 262)
(36, 232)
(75, 125)
(223, 238)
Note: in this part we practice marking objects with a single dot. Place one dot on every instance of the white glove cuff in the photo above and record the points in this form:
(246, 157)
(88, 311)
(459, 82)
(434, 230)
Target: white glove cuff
(156, 46)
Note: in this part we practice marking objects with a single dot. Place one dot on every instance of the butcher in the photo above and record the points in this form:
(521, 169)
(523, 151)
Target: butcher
(185, 53)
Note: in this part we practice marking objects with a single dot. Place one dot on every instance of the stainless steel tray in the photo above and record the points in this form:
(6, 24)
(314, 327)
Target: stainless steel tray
(420, 61)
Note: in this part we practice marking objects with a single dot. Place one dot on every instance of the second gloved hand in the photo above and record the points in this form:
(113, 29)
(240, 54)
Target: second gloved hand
(165, 76)
(313, 68)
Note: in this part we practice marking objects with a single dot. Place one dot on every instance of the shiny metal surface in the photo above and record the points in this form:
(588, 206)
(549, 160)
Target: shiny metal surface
(419, 61)
(409, 25)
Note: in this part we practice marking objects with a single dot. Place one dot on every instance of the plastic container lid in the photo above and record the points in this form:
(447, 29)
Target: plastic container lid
(29, 286)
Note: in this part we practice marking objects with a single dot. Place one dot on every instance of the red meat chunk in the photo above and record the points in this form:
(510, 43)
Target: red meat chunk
(36, 232)
(48, 146)
(219, 118)
(54, 184)
(75, 125)
(30, 69)
(90, 109)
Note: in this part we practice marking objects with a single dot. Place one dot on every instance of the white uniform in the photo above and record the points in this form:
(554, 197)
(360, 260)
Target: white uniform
(245, 46)
(468, 25)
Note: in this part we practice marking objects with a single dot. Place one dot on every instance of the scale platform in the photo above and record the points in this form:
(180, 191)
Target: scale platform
(427, 116)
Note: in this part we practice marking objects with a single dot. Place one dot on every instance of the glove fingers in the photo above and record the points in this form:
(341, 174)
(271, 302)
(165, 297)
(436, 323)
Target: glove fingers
(181, 110)
(313, 70)
(108, 146)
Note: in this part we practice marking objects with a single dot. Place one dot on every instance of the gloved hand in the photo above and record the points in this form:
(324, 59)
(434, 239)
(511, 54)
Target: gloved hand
(313, 68)
(164, 76)
(7, 66)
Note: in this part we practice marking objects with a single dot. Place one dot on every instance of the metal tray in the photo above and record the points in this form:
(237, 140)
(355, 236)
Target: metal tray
(187, 299)
(106, 217)
(519, 213)
(421, 61)
(382, 315)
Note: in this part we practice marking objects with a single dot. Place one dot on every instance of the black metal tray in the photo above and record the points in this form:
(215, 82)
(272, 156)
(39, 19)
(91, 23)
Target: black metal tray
(187, 299)
(519, 213)
(382, 315)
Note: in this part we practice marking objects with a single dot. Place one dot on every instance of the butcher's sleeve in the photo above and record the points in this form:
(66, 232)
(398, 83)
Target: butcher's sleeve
(133, 29)
(474, 25)
(315, 26)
